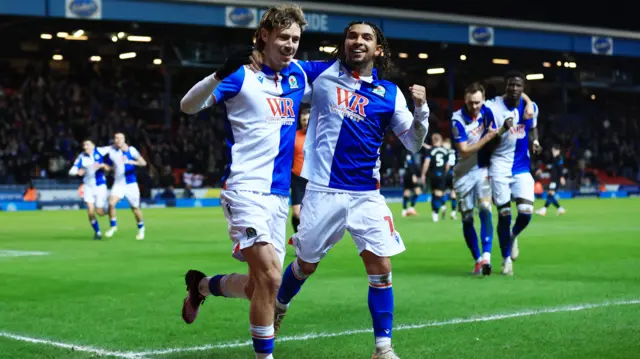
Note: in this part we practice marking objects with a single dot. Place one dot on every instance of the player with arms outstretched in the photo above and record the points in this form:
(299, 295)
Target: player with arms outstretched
(556, 167)
(262, 110)
(510, 171)
(434, 168)
(90, 165)
(124, 159)
(351, 108)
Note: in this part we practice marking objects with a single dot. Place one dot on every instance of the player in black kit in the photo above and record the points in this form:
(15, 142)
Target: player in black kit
(412, 187)
(556, 168)
(434, 167)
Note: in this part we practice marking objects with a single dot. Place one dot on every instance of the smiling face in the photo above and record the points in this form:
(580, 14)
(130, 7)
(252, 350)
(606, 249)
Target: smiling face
(360, 45)
(281, 45)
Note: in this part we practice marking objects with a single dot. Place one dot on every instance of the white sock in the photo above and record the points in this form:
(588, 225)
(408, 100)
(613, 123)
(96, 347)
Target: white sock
(486, 256)
(383, 342)
(264, 356)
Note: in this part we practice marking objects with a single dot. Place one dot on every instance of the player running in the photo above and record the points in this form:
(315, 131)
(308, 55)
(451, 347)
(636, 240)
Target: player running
(556, 169)
(90, 165)
(124, 159)
(298, 184)
(262, 110)
(509, 171)
(434, 168)
(351, 108)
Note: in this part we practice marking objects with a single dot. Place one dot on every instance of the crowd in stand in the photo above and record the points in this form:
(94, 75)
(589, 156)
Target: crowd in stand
(45, 116)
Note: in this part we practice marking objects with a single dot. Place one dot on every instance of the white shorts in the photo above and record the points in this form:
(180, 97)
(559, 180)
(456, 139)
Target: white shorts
(128, 190)
(254, 217)
(472, 187)
(324, 216)
(518, 186)
(96, 195)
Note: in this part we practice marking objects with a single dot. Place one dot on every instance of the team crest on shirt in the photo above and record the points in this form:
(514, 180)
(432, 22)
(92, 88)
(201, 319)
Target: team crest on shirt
(380, 91)
(260, 78)
(454, 131)
(350, 104)
(293, 83)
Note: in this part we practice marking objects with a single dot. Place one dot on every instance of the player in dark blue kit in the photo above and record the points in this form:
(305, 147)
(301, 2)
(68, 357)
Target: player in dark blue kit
(556, 167)
(412, 188)
(435, 167)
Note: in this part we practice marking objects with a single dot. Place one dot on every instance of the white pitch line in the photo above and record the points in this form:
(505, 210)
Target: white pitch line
(78, 348)
(12, 253)
(311, 336)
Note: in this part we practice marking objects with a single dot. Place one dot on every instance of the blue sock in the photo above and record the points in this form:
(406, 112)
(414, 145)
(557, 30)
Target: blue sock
(549, 200)
(405, 199)
(436, 203)
(140, 224)
(454, 204)
(95, 225)
(486, 230)
(113, 222)
(554, 201)
(263, 338)
(504, 235)
(471, 237)
(414, 197)
(214, 285)
(292, 280)
(522, 220)
(381, 307)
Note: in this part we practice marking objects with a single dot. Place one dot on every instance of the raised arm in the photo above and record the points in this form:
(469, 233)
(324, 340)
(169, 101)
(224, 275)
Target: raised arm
(411, 129)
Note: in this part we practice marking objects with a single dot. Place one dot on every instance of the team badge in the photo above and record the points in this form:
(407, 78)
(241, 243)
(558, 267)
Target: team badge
(260, 78)
(251, 232)
(380, 91)
(293, 83)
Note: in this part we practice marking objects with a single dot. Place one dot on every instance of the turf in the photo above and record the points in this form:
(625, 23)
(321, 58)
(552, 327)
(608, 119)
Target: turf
(125, 295)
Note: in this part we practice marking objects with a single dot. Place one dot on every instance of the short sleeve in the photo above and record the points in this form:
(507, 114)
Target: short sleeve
(458, 131)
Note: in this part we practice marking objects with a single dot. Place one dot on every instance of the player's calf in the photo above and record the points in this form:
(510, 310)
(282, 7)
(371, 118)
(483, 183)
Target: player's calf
(504, 229)
(295, 275)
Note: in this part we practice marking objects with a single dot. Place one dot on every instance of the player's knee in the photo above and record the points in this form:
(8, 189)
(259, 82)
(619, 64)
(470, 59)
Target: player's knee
(467, 217)
(269, 279)
(307, 269)
(375, 264)
(551, 193)
(525, 208)
(407, 193)
(505, 209)
(484, 206)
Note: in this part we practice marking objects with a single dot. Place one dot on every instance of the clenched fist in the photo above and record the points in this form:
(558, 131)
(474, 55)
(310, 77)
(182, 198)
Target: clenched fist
(418, 94)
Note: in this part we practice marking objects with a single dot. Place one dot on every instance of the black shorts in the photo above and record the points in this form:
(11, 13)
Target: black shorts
(409, 184)
(298, 186)
(449, 180)
(437, 182)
